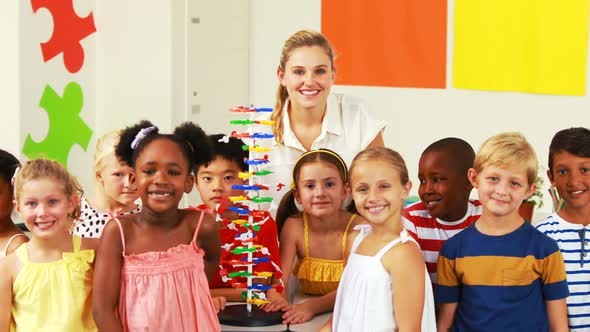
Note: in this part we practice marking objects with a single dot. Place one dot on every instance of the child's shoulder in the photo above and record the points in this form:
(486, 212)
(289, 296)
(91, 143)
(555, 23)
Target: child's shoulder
(544, 244)
(12, 240)
(9, 265)
(358, 220)
(208, 223)
(89, 243)
(292, 229)
(460, 241)
(468, 233)
(293, 223)
(403, 253)
(355, 230)
(115, 231)
(552, 224)
(530, 240)
(126, 221)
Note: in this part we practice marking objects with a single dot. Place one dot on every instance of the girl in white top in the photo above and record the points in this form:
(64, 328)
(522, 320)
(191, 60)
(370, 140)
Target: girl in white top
(308, 116)
(385, 286)
(11, 237)
(115, 189)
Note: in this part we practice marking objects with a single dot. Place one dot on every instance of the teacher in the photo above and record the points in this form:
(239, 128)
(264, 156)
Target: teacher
(308, 116)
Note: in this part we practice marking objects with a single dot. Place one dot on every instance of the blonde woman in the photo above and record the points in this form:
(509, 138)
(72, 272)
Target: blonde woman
(309, 116)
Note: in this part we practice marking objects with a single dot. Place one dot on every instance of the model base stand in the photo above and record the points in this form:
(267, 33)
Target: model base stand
(238, 315)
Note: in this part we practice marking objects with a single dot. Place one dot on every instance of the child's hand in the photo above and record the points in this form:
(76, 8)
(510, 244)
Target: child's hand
(219, 303)
(297, 313)
(277, 301)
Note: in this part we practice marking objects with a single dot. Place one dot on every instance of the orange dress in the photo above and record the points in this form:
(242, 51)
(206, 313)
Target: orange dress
(318, 276)
(166, 291)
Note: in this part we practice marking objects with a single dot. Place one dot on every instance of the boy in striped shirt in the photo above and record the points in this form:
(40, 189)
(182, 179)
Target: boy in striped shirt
(445, 208)
(569, 172)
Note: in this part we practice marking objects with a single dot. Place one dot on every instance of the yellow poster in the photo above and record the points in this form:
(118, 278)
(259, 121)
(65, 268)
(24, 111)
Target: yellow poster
(537, 46)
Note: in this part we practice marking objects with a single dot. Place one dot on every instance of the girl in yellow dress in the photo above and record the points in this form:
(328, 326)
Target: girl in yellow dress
(47, 282)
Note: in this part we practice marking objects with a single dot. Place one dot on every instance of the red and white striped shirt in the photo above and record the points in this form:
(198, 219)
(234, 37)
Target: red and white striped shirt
(431, 232)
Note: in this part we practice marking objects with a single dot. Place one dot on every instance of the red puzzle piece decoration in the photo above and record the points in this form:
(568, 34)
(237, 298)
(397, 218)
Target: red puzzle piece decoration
(68, 30)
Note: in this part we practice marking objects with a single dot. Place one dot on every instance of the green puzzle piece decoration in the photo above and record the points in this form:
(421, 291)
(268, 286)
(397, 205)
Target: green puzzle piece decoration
(66, 128)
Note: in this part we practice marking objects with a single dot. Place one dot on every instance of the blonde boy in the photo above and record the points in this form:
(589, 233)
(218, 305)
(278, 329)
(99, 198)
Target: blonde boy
(501, 274)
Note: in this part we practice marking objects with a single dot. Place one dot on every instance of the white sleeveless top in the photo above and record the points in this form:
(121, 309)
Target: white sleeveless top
(364, 301)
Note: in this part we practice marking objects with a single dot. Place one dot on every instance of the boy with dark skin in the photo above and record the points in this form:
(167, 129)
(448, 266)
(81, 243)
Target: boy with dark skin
(445, 208)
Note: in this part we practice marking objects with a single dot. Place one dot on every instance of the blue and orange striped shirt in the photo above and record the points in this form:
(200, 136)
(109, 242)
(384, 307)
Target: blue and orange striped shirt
(500, 283)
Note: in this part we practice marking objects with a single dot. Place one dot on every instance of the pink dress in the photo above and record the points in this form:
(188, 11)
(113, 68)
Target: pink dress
(166, 291)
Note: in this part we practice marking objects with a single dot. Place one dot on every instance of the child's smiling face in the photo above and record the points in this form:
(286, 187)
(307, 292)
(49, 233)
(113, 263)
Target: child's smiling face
(44, 207)
(320, 189)
(571, 176)
(377, 190)
(162, 174)
(502, 189)
(444, 191)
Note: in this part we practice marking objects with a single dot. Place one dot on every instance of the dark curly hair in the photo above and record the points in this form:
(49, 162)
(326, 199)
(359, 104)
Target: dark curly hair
(190, 138)
(8, 164)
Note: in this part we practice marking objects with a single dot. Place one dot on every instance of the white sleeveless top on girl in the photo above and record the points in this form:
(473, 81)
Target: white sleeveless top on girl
(3, 252)
(364, 301)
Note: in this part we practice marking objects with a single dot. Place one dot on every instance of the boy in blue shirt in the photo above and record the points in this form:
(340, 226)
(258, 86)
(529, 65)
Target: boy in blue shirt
(569, 173)
(501, 274)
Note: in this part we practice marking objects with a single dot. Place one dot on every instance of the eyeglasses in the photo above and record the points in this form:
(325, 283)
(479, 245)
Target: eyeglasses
(582, 235)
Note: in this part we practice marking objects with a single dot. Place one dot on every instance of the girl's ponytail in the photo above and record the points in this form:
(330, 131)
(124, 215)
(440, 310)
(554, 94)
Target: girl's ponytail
(287, 209)
(277, 113)
(197, 142)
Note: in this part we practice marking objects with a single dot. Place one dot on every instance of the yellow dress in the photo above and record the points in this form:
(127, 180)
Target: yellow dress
(319, 276)
(54, 296)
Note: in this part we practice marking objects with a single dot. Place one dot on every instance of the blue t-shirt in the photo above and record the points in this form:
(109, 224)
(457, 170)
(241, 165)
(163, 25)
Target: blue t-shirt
(500, 283)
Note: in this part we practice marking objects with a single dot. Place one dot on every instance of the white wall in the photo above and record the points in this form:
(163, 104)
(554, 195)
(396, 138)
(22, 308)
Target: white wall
(417, 117)
(9, 87)
(134, 61)
(218, 57)
(155, 62)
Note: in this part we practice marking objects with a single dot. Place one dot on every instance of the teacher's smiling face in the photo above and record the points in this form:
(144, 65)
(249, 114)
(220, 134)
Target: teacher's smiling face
(308, 77)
